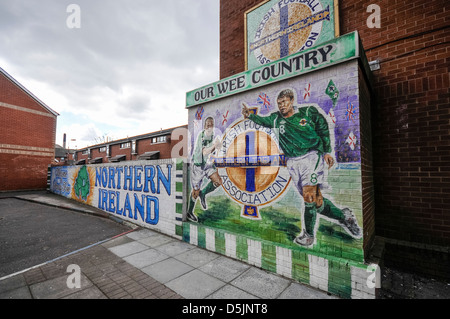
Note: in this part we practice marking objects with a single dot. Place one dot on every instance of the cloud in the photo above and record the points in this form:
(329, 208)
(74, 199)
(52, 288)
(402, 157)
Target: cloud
(126, 69)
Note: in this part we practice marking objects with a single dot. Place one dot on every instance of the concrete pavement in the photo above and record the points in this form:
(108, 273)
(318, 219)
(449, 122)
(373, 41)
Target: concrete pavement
(146, 264)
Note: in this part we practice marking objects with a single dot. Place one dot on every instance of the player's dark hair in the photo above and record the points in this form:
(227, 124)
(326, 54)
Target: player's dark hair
(287, 92)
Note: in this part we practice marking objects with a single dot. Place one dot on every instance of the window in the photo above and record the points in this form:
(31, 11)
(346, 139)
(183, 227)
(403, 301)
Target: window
(159, 139)
(102, 149)
(125, 145)
(85, 152)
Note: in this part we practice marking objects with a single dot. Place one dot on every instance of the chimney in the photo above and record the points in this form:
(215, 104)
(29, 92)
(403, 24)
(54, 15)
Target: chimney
(64, 141)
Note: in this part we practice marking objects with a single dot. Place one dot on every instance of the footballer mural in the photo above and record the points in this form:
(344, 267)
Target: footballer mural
(280, 164)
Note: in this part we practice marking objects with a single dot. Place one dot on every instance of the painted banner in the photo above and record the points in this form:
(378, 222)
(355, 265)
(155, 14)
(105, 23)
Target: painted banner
(329, 53)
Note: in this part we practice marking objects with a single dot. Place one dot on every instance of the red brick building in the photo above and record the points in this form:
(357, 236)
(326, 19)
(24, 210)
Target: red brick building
(155, 145)
(27, 137)
(411, 114)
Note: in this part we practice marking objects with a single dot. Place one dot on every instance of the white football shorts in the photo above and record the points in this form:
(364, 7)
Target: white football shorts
(306, 170)
(197, 174)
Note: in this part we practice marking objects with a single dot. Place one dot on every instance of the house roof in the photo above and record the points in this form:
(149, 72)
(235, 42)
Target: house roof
(96, 160)
(149, 155)
(118, 158)
(80, 162)
(137, 137)
(45, 106)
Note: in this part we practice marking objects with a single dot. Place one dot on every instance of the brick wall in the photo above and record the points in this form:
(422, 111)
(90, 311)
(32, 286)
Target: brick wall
(80, 156)
(367, 181)
(116, 150)
(164, 148)
(19, 127)
(95, 152)
(232, 41)
(410, 123)
(27, 139)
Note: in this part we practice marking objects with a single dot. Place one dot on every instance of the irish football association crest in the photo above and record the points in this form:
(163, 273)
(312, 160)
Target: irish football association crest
(251, 166)
(288, 27)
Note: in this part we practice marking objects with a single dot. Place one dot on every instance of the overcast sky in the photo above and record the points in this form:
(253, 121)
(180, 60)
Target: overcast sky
(125, 71)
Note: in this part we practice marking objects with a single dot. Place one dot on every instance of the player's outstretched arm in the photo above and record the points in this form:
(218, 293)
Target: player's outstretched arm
(266, 121)
(245, 110)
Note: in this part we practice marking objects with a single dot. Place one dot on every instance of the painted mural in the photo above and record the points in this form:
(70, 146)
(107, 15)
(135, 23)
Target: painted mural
(282, 163)
(137, 192)
(276, 29)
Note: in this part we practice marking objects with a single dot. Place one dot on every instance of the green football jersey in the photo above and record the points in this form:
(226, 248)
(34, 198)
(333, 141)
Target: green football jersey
(202, 141)
(305, 131)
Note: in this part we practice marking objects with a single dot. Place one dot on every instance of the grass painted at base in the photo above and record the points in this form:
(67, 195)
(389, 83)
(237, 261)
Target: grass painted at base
(280, 225)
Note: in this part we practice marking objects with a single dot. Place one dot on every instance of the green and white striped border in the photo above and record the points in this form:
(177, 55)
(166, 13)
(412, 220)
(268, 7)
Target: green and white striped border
(179, 196)
(326, 273)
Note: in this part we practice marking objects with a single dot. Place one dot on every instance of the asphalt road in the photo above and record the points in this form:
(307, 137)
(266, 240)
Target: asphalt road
(32, 233)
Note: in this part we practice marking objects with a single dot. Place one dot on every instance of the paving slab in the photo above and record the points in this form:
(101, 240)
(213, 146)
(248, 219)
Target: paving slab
(174, 248)
(195, 285)
(299, 291)
(145, 258)
(157, 240)
(261, 283)
(197, 257)
(141, 234)
(224, 268)
(128, 249)
(167, 270)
